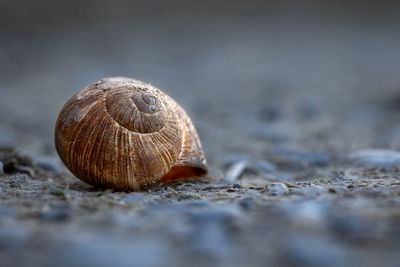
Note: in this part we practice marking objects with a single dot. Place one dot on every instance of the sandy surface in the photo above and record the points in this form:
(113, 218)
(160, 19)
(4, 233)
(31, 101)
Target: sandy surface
(293, 97)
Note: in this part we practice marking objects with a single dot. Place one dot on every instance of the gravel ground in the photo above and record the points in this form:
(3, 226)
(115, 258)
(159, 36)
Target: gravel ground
(298, 113)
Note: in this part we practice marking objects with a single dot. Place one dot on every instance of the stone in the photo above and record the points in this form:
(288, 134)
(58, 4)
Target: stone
(237, 186)
(277, 189)
(309, 190)
(338, 189)
(20, 178)
(25, 169)
(14, 184)
(234, 171)
(375, 158)
(12, 159)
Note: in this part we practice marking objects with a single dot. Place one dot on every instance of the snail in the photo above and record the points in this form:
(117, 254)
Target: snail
(125, 134)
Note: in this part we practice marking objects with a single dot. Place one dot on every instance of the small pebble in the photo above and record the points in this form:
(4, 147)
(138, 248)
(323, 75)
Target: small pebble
(20, 178)
(26, 169)
(14, 185)
(277, 189)
(237, 186)
(309, 190)
(337, 189)
(234, 172)
(56, 191)
(375, 158)
(12, 159)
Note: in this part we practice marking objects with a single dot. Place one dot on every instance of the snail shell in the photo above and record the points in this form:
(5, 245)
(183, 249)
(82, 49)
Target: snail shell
(126, 134)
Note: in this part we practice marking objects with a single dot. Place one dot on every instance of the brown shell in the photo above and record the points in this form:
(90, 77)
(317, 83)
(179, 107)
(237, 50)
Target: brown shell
(125, 134)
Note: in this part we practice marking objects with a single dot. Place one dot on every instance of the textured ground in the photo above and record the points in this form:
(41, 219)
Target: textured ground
(286, 101)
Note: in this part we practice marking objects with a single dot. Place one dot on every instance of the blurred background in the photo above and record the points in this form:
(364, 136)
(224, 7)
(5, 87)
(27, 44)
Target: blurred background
(291, 86)
(235, 66)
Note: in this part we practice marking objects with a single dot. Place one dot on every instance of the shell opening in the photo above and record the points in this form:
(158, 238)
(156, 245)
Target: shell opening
(178, 173)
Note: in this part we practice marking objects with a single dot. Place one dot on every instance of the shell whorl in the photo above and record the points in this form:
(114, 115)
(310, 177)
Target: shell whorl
(137, 108)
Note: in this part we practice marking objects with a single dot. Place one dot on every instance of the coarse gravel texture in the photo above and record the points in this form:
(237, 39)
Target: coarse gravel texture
(298, 114)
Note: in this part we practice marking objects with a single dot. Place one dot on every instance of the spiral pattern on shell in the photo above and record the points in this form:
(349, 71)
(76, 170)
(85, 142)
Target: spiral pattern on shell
(139, 109)
(126, 134)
